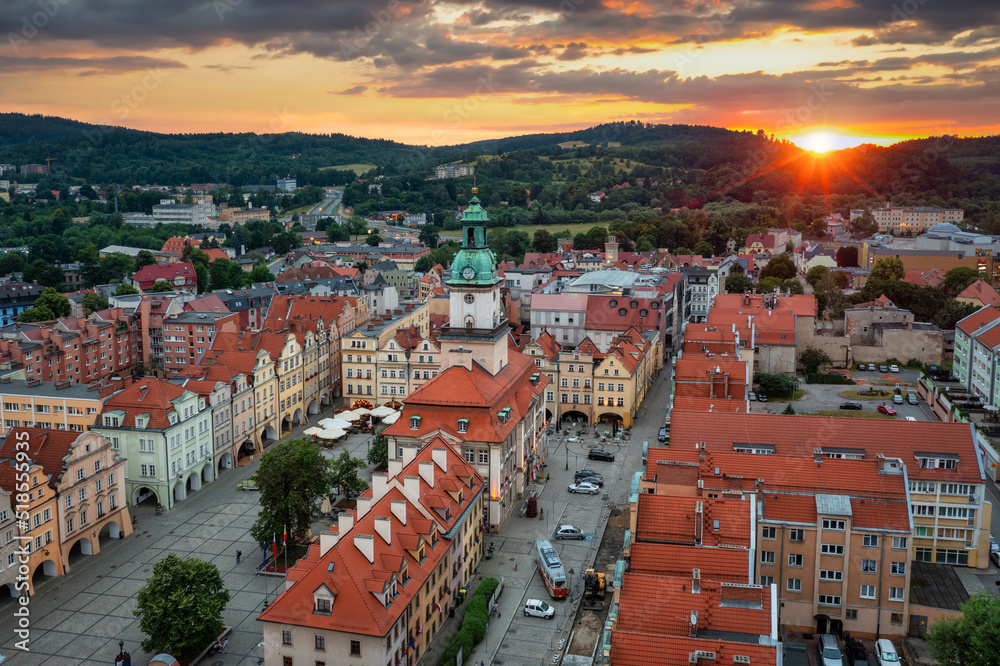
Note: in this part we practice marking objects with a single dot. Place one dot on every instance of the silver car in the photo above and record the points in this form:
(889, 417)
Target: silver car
(570, 532)
(584, 487)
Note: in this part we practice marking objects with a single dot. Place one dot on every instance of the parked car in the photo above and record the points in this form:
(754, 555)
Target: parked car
(909, 418)
(994, 546)
(538, 608)
(573, 439)
(752, 396)
(587, 475)
(570, 532)
(886, 409)
(897, 399)
(851, 404)
(886, 653)
(584, 487)
(827, 651)
(662, 435)
(249, 484)
(601, 454)
(893, 368)
(856, 653)
(761, 397)
(871, 366)
(838, 373)
(883, 368)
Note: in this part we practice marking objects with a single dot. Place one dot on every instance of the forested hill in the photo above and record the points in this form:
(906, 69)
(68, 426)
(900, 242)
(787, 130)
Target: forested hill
(17, 129)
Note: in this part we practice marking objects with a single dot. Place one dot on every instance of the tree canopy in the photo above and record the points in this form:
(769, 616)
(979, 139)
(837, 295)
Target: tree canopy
(50, 305)
(959, 278)
(180, 607)
(344, 473)
(887, 268)
(293, 478)
(780, 267)
(972, 639)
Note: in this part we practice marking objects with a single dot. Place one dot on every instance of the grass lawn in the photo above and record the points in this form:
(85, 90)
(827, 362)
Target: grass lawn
(358, 169)
(856, 395)
(853, 414)
(530, 229)
(799, 393)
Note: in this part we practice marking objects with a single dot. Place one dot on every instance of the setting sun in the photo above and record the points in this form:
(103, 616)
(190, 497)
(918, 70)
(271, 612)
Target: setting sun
(818, 142)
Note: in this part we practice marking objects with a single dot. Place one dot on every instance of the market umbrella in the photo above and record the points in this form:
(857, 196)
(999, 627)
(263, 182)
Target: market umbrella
(325, 506)
(328, 434)
(383, 411)
(335, 433)
(392, 418)
(313, 431)
(349, 416)
(324, 422)
(337, 423)
(362, 411)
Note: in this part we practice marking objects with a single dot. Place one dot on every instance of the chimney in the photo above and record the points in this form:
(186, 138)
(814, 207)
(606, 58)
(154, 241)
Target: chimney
(345, 522)
(383, 527)
(694, 624)
(411, 487)
(398, 508)
(698, 516)
(366, 544)
(426, 468)
(364, 505)
(380, 485)
(409, 453)
(395, 467)
(440, 457)
(327, 540)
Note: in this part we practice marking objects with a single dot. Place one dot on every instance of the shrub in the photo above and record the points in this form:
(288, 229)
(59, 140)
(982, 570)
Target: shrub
(823, 378)
(473, 629)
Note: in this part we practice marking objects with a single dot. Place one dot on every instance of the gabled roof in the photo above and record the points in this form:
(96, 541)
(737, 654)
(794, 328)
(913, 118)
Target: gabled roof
(206, 303)
(981, 292)
(147, 396)
(547, 343)
(725, 565)
(675, 519)
(47, 448)
(978, 319)
(641, 648)
(154, 272)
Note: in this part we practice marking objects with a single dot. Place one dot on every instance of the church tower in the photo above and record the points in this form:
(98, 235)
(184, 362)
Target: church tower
(477, 329)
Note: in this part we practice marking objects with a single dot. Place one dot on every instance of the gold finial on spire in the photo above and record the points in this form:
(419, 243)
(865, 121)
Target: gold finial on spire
(475, 190)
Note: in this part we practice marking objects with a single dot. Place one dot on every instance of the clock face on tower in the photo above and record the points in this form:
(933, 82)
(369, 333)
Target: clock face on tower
(469, 298)
(468, 272)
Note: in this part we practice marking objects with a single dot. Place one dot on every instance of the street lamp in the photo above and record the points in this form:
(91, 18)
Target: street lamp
(567, 456)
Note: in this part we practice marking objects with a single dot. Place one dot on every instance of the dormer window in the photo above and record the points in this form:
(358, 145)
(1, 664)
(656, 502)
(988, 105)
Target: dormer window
(463, 425)
(414, 422)
(323, 606)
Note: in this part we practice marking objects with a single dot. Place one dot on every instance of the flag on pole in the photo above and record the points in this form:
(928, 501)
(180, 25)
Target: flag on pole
(263, 552)
(274, 545)
(284, 538)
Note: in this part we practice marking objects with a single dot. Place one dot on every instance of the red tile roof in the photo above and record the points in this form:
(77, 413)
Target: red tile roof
(981, 292)
(547, 343)
(640, 648)
(662, 605)
(798, 435)
(147, 396)
(215, 253)
(674, 519)
(206, 303)
(46, 447)
(725, 565)
(148, 275)
(978, 319)
(698, 403)
(603, 316)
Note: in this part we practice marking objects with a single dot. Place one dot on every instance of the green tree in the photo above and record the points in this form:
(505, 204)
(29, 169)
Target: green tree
(953, 312)
(429, 236)
(221, 273)
(788, 409)
(793, 286)
(738, 283)
(678, 251)
(180, 608)
(378, 454)
(815, 274)
(196, 256)
(847, 256)
(769, 284)
(356, 225)
(543, 241)
(117, 266)
(37, 313)
(780, 267)
(285, 242)
(864, 223)
(258, 274)
(12, 262)
(373, 239)
(344, 473)
(144, 258)
(704, 248)
(93, 302)
(293, 478)
(972, 639)
(959, 278)
(58, 304)
(887, 268)
(776, 384)
(812, 359)
(125, 289)
(44, 273)
(160, 287)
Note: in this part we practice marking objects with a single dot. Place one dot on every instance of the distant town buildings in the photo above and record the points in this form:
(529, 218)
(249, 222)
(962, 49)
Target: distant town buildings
(287, 185)
(454, 170)
(910, 220)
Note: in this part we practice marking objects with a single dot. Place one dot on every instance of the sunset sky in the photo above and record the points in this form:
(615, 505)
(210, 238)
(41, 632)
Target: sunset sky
(824, 73)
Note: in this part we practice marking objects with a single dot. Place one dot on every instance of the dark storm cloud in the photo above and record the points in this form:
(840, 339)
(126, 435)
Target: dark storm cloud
(88, 66)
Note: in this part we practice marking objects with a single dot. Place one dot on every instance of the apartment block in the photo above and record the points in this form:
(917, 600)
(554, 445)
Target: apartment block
(9, 546)
(359, 353)
(454, 170)
(165, 433)
(910, 220)
(377, 588)
(188, 335)
(944, 475)
(48, 405)
(73, 349)
(15, 298)
(254, 383)
(40, 532)
(977, 352)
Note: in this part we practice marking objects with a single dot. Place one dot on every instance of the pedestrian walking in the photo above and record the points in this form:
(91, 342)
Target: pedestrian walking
(239, 554)
(225, 646)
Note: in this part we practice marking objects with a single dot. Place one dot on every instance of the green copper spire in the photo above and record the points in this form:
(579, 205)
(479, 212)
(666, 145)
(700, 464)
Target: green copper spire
(475, 263)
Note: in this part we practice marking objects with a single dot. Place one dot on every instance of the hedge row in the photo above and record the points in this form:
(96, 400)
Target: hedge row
(473, 629)
(823, 378)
